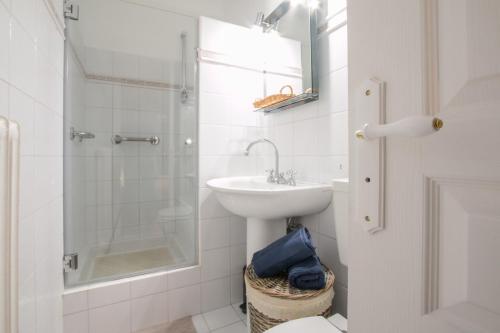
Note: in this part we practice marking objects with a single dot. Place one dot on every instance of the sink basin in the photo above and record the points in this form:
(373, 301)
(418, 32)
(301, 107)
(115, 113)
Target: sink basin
(267, 205)
(255, 197)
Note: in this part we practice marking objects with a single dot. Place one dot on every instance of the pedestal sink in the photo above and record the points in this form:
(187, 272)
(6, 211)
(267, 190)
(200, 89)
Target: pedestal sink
(267, 205)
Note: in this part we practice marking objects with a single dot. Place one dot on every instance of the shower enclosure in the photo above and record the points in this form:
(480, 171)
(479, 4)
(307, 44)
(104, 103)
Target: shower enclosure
(130, 152)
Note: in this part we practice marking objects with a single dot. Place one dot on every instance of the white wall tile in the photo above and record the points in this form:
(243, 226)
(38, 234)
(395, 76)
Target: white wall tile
(212, 167)
(184, 277)
(98, 119)
(237, 288)
(150, 99)
(210, 206)
(47, 132)
(214, 109)
(238, 230)
(4, 99)
(27, 195)
(126, 98)
(4, 41)
(338, 90)
(215, 294)
(332, 167)
(125, 121)
(153, 122)
(149, 311)
(22, 57)
(184, 302)
(150, 69)
(338, 48)
(215, 264)
(333, 51)
(75, 302)
(237, 258)
(98, 61)
(77, 323)
(109, 294)
(148, 285)
(27, 251)
(113, 318)
(22, 110)
(327, 221)
(305, 139)
(214, 140)
(125, 65)
(27, 306)
(214, 233)
(99, 95)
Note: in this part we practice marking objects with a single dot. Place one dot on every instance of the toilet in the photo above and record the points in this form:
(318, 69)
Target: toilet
(336, 323)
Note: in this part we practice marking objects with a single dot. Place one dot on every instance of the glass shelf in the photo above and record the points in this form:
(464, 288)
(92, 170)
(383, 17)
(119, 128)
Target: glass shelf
(291, 102)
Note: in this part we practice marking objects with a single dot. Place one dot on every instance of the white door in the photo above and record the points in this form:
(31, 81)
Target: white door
(435, 267)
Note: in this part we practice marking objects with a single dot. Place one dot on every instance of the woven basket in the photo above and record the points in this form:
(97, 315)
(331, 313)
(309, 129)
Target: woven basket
(273, 99)
(272, 301)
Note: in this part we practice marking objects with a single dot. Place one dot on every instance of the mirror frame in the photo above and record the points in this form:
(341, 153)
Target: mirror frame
(303, 98)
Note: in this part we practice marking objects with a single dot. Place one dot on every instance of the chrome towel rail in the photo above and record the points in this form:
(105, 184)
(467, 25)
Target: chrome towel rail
(117, 139)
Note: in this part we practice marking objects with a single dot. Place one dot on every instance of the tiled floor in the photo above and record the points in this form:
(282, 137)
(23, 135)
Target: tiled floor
(224, 320)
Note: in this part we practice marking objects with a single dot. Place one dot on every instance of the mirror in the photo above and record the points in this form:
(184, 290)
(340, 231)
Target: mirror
(290, 44)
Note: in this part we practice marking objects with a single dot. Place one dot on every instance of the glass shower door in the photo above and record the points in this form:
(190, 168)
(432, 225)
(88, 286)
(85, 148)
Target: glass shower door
(130, 186)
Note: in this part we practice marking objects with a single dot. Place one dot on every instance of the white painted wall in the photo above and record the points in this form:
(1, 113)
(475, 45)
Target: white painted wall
(31, 78)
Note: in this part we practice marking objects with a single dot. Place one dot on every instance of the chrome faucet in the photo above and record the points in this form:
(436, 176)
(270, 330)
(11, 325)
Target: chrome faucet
(274, 175)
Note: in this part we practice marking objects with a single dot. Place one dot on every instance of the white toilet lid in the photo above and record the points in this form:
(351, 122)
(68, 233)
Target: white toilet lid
(309, 324)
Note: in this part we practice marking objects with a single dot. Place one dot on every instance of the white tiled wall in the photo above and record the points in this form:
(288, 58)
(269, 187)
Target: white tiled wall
(313, 139)
(116, 193)
(31, 78)
(128, 184)
(133, 304)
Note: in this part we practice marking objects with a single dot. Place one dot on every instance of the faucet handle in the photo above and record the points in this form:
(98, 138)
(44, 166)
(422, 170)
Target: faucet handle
(291, 179)
(270, 176)
(281, 178)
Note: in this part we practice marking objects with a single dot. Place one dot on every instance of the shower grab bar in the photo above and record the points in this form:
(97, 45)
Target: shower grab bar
(117, 139)
(73, 134)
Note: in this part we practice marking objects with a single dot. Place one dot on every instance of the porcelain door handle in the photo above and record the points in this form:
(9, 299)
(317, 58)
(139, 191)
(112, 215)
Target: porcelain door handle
(409, 127)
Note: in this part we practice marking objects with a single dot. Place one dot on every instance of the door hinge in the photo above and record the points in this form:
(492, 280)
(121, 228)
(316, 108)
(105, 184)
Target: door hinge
(71, 10)
(70, 262)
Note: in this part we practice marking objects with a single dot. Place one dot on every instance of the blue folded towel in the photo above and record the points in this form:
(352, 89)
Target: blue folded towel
(283, 253)
(307, 274)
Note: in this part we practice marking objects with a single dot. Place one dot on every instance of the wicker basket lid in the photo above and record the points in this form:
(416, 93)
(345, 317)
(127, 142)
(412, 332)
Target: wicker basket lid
(278, 286)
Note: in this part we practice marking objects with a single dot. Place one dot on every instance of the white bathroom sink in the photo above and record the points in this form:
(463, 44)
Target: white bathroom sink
(255, 197)
(267, 205)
